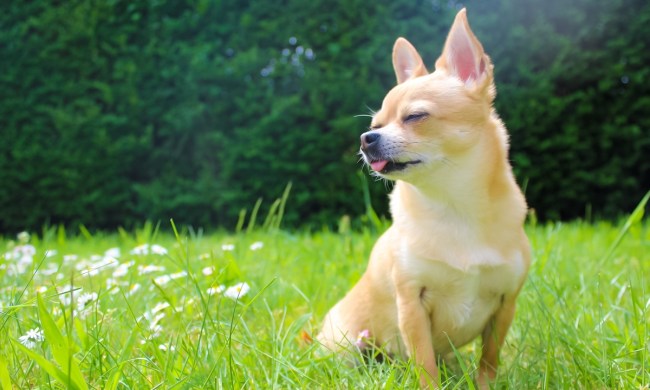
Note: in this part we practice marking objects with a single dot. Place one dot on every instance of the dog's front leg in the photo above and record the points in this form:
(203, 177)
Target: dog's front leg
(493, 336)
(415, 328)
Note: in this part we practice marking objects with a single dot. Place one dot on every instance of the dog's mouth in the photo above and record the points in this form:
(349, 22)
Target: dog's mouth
(387, 166)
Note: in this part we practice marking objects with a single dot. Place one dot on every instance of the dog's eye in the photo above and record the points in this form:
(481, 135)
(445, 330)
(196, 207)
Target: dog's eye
(416, 116)
(375, 126)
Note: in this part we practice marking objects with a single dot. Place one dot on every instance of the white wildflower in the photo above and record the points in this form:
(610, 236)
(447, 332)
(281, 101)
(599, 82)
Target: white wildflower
(86, 298)
(23, 237)
(228, 247)
(140, 250)
(160, 306)
(51, 253)
(164, 347)
(178, 275)
(207, 271)
(257, 245)
(158, 250)
(107, 261)
(32, 337)
(237, 291)
(149, 268)
(204, 256)
(216, 290)
(122, 269)
(41, 289)
(51, 269)
(145, 249)
(112, 252)
(65, 293)
(111, 284)
(161, 280)
(133, 288)
(24, 256)
(90, 271)
(154, 324)
(164, 279)
(362, 339)
(69, 258)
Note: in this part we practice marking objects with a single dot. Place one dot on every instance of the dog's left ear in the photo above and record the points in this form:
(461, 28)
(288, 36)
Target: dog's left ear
(406, 61)
(463, 55)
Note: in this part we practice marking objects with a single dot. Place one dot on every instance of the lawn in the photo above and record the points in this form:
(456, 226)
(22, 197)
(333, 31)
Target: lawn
(154, 309)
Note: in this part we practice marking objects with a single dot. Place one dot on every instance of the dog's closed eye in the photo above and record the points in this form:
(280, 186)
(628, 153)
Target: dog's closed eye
(415, 117)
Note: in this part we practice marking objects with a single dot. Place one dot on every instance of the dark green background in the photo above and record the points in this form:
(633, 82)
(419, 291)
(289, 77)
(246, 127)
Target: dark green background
(113, 112)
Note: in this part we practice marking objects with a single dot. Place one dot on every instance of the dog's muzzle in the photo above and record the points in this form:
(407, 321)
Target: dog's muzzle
(376, 158)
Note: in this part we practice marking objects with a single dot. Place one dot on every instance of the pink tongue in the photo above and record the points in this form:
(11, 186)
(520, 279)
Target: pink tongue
(378, 165)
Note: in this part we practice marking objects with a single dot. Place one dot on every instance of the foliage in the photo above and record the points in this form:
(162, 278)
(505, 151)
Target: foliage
(115, 112)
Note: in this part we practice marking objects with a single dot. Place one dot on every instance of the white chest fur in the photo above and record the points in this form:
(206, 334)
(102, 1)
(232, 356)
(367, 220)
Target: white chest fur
(461, 301)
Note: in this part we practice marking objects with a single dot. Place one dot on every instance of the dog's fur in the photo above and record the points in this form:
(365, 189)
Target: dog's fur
(451, 265)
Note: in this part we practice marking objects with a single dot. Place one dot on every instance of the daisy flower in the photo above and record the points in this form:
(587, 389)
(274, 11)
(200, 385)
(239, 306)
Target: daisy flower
(122, 269)
(207, 271)
(257, 245)
(160, 306)
(216, 290)
(149, 268)
(164, 347)
(32, 337)
(85, 298)
(133, 288)
(362, 339)
(161, 280)
(178, 275)
(23, 237)
(228, 247)
(50, 270)
(112, 252)
(140, 250)
(237, 291)
(65, 293)
(69, 258)
(158, 250)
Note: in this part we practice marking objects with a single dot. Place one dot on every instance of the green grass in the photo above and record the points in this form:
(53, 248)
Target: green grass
(582, 318)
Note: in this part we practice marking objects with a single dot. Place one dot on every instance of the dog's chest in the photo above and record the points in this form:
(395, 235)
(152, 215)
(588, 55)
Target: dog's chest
(460, 302)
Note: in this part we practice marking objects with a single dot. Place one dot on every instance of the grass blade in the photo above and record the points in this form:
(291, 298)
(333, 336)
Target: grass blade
(46, 365)
(61, 347)
(5, 379)
(635, 217)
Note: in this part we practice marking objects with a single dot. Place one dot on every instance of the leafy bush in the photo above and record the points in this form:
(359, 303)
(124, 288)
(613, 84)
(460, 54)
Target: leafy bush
(115, 112)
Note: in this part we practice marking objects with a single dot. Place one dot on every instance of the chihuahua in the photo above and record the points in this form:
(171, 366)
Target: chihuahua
(452, 263)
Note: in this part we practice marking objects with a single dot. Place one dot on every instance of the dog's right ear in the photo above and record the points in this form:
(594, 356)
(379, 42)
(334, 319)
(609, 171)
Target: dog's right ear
(406, 61)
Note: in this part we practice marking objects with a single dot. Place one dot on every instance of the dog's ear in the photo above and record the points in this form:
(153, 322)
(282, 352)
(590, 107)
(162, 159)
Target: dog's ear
(463, 55)
(406, 61)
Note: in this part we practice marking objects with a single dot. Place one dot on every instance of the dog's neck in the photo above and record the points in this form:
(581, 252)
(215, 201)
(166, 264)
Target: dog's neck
(479, 190)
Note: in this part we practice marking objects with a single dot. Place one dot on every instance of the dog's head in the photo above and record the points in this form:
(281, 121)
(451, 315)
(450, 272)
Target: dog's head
(431, 120)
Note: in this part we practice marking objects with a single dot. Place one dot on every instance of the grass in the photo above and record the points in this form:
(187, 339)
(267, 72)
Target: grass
(582, 318)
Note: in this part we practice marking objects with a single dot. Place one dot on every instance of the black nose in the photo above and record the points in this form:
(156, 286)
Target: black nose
(369, 138)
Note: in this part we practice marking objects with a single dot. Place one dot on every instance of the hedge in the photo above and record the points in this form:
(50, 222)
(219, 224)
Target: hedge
(114, 112)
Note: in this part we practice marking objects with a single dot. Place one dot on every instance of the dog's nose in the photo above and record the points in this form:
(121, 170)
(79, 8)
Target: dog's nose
(369, 138)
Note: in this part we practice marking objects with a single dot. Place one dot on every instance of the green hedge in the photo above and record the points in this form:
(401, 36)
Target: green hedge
(113, 112)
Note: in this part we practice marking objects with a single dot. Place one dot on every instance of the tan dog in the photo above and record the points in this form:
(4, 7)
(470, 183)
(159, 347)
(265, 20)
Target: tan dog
(451, 265)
